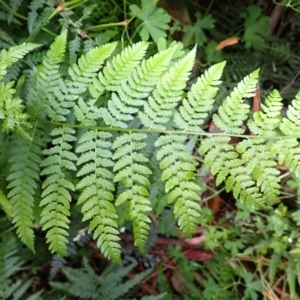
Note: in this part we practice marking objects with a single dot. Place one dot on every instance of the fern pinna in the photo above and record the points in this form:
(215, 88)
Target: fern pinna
(85, 135)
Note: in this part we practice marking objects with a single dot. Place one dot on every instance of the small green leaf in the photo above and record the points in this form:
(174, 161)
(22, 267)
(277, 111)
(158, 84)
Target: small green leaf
(154, 20)
(256, 26)
(195, 34)
(252, 287)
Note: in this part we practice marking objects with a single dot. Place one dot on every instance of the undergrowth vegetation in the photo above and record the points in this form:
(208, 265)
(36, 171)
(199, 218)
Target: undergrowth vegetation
(174, 132)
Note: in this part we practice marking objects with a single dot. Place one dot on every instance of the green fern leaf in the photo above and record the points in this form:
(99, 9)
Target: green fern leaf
(74, 47)
(262, 167)
(288, 150)
(83, 74)
(291, 124)
(33, 14)
(257, 153)
(97, 195)
(251, 183)
(85, 70)
(56, 197)
(159, 107)
(199, 102)
(179, 172)
(11, 111)
(233, 110)
(266, 120)
(42, 20)
(291, 273)
(23, 178)
(5, 40)
(131, 93)
(115, 71)
(15, 53)
(132, 172)
(118, 69)
(274, 264)
(86, 284)
(57, 104)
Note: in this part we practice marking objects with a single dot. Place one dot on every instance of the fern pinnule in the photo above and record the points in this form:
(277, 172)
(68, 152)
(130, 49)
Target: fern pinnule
(132, 93)
(159, 107)
(74, 47)
(290, 126)
(5, 40)
(83, 72)
(288, 153)
(288, 150)
(13, 54)
(131, 171)
(50, 83)
(11, 109)
(56, 197)
(244, 188)
(199, 101)
(82, 75)
(267, 118)
(275, 262)
(118, 69)
(14, 117)
(23, 178)
(262, 166)
(33, 14)
(97, 191)
(178, 173)
(257, 154)
(233, 111)
(113, 73)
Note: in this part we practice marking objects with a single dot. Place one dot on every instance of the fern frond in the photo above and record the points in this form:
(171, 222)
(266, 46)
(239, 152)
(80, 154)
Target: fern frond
(233, 110)
(97, 195)
(132, 172)
(132, 93)
(159, 107)
(23, 177)
(179, 171)
(56, 197)
(200, 99)
(107, 286)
